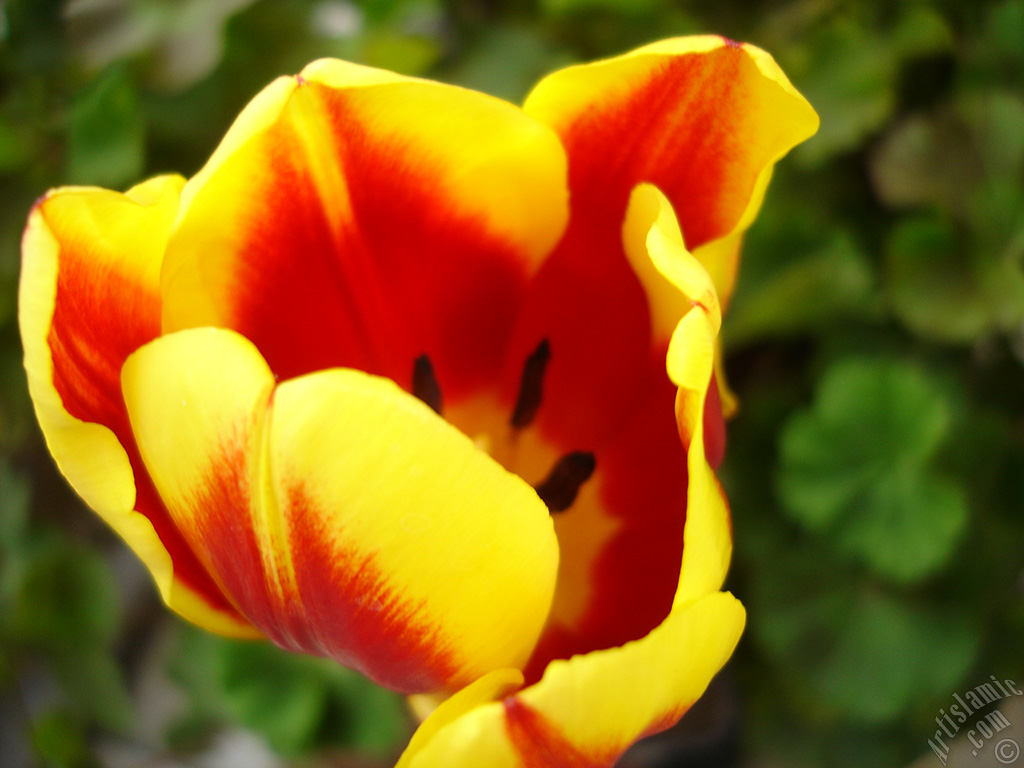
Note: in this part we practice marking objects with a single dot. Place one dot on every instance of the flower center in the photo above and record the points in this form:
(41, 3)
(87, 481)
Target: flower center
(504, 440)
(560, 487)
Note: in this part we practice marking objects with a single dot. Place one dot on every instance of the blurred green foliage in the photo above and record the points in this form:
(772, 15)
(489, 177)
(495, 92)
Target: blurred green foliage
(295, 702)
(876, 340)
(858, 467)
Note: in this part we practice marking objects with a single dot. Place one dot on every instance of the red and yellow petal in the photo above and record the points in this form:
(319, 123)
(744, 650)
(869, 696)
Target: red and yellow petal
(588, 710)
(623, 539)
(690, 363)
(438, 714)
(343, 516)
(702, 118)
(359, 219)
(89, 295)
(708, 540)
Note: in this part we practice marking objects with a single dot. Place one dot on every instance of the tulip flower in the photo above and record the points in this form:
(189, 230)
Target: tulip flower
(422, 381)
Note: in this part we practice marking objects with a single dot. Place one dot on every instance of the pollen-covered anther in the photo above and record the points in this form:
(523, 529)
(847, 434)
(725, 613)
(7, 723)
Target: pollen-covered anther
(559, 489)
(531, 386)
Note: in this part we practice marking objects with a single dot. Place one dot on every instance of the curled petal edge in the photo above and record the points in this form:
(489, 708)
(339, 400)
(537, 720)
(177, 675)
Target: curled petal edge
(773, 112)
(89, 455)
(586, 711)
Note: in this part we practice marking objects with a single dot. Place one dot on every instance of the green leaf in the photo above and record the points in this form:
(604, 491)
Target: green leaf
(912, 524)
(798, 599)
(274, 694)
(996, 118)
(940, 291)
(95, 684)
(66, 605)
(362, 715)
(842, 647)
(958, 276)
(918, 162)
(999, 46)
(930, 284)
(67, 598)
(106, 133)
(15, 495)
(399, 51)
(16, 147)
(889, 655)
(849, 74)
(297, 703)
(921, 30)
(805, 295)
(623, 7)
(60, 741)
(506, 62)
(857, 468)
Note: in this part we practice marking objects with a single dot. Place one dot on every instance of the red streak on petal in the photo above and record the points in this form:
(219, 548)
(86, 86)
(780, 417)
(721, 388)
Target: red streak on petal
(541, 745)
(334, 603)
(685, 130)
(219, 527)
(100, 317)
(356, 617)
(406, 272)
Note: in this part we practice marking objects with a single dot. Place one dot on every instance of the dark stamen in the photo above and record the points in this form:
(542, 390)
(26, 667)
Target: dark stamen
(531, 386)
(424, 383)
(560, 487)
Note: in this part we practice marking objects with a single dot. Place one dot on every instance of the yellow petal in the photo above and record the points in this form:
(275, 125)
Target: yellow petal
(89, 295)
(354, 218)
(490, 687)
(672, 278)
(703, 118)
(85, 236)
(683, 288)
(589, 709)
(342, 515)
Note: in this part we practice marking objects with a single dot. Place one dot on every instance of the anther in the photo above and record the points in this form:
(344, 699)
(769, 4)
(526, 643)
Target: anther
(424, 383)
(560, 487)
(531, 386)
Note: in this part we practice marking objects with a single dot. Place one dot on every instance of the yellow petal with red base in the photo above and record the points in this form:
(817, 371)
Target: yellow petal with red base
(702, 118)
(341, 515)
(354, 218)
(89, 295)
(655, 246)
(587, 711)
(708, 539)
(491, 687)
(623, 540)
